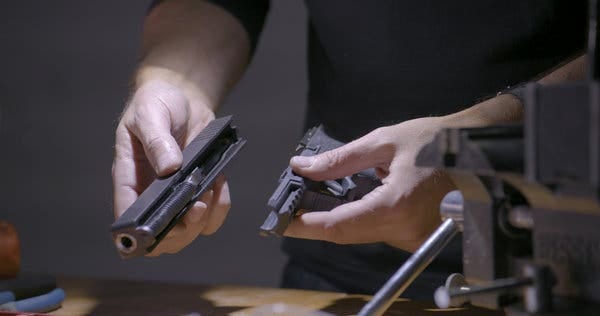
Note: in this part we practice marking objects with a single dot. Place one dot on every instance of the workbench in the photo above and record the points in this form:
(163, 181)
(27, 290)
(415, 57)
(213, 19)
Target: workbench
(117, 297)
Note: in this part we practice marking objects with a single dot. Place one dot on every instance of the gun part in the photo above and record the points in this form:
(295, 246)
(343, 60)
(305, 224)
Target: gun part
(296, 194)
(146, 222)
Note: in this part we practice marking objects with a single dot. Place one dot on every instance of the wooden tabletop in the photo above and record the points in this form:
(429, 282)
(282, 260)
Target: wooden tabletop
(106, 297)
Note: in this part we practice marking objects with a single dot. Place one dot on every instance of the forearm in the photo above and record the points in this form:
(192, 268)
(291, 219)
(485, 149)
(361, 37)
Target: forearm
(195, 46)
(506, 108)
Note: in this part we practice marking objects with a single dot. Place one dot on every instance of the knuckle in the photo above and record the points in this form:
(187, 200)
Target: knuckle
(383, 140)
(379, 132)
(145, 108)
(381, 135)
(142, 112)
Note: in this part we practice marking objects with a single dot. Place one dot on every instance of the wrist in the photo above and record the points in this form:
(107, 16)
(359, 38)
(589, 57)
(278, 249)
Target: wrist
(196, 97)
(502, 109)
(517, 91)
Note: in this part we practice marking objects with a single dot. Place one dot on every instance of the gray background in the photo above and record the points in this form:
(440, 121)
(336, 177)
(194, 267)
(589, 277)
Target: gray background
(64, 74)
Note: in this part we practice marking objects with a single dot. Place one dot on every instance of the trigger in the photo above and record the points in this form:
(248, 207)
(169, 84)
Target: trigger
(340, 187)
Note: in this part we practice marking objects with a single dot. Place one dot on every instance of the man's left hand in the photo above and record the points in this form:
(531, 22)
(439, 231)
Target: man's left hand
(402, 212)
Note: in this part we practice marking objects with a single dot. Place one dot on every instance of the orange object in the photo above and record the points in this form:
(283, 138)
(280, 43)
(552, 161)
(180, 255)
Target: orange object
(10, 255)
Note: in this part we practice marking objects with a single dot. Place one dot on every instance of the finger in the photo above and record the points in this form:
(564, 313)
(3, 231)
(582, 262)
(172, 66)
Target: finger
(152, 128)
(169, 245)
(169, 242)
(178, 238)
(158, 112)
(196, 216)
(123, 173)
(348, 223)
(221, 204)
(174, 244)
(188, 228)
(366, 152)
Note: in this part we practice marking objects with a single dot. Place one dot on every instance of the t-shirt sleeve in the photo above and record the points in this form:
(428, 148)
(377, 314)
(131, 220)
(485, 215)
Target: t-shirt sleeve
(250, 13)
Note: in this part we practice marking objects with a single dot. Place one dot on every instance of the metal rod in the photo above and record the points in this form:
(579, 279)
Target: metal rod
(497, 286)
(398, 283)
(445, 297)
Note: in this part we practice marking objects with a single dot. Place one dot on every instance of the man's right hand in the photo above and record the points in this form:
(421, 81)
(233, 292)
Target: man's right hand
(157, 123)
(192, 53)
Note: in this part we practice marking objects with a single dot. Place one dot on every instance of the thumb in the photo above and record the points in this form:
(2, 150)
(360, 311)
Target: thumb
(364, 153)
(156, 116)
(161, 148)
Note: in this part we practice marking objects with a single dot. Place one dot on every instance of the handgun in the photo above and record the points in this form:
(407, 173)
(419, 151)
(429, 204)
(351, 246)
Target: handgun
(296, 195)
(148, 220)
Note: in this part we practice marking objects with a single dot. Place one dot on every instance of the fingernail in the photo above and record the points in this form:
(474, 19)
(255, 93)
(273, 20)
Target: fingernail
(302, 161)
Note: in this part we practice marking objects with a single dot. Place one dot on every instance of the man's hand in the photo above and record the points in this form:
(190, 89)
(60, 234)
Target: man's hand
(157, 123)
(402, 212)
(192, 52)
